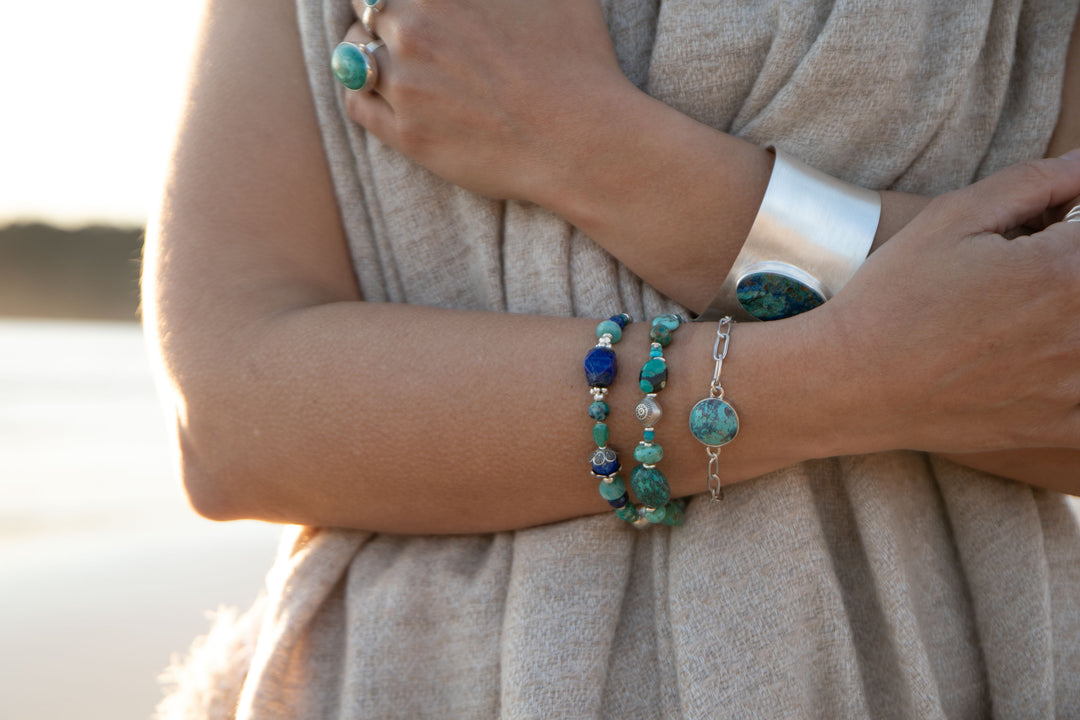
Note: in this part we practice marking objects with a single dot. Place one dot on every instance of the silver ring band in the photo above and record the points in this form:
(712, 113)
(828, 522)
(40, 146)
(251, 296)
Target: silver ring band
(1073, 216)
(368, 21)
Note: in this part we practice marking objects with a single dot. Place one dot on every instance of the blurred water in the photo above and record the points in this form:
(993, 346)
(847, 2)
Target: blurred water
(104, 571)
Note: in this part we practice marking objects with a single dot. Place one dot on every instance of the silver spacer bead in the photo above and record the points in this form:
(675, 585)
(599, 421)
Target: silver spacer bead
(648, 411)
(641, 522)
(604, 341)
(656, 346)
(598, 393)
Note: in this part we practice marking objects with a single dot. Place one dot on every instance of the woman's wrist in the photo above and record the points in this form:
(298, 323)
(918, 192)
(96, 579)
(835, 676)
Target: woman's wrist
(671, 198)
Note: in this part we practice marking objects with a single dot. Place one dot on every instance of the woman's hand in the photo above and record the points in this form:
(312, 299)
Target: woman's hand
(493, 96)
(977, 338)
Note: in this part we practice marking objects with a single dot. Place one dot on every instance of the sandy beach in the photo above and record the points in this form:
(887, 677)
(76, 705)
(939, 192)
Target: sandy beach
(104, 571)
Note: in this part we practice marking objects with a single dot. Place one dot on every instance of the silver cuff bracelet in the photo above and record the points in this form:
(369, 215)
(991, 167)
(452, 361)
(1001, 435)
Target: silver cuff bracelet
(809, 237)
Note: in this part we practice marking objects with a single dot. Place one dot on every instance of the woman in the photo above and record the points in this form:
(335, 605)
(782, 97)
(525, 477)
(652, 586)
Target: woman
(323, 313)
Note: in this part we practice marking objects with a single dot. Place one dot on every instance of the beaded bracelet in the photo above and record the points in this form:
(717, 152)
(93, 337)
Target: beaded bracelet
(713, 421)
(600, 370)
(649, 484)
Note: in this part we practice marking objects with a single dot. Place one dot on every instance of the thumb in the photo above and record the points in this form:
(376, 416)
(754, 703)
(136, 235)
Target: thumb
(1011, 197)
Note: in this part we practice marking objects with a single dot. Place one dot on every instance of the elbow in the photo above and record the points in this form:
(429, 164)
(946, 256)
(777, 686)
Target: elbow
(206, 484)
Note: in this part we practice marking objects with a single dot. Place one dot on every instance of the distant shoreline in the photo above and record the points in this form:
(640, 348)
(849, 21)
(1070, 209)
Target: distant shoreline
(89, 273)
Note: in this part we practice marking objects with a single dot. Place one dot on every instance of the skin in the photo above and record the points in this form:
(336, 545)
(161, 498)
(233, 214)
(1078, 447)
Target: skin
(295, 401)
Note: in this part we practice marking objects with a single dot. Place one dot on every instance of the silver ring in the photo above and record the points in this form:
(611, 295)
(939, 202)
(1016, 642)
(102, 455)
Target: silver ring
(368, 21)
(354, 65)
(1073, 216)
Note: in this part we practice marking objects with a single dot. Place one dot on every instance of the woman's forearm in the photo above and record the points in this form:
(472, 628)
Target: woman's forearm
(415, 420)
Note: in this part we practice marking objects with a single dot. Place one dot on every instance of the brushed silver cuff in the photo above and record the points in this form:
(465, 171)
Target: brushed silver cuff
(810, 235)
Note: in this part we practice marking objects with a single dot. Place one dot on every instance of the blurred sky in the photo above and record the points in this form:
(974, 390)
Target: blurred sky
(90, 93)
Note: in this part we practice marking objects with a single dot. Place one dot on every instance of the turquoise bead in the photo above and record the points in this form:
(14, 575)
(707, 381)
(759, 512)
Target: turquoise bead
(669, 322)
(650, 486)
(656, 515)
(648, 453)
(656, 351)
(660, 334)
(600, 434)
(609, 327)
(612, 490)
(653, 375)
(627, 512)
(599, 411)
(648, 435)
(349, 65)
(714, 422)
(674, 513)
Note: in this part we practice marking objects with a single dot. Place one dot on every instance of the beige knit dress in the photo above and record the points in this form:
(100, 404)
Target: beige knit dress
(889, 586)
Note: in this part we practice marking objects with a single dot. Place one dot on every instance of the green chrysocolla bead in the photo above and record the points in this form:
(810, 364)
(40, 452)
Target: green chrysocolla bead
(648, 453)
(660, 334)
(650, 486)
(628, 513)
(599, 411)
(612, 490)
(673, 513)
(600, 434)
(609, 327)
(656, 515)
(669, 322)
(653, 375)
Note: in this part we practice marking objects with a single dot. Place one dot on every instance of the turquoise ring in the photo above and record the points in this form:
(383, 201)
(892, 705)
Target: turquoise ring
(354, 65)
(376, 5)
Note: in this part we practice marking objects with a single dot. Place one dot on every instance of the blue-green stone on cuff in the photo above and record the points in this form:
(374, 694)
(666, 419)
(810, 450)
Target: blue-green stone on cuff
(349, 65)
(650, 486)
(772, 296)
(714, 422)
(653, 376)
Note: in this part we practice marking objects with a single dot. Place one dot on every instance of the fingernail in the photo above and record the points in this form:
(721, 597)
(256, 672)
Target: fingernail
(1072, 155)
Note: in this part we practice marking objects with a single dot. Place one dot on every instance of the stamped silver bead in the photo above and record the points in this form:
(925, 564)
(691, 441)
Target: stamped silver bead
(648, 411)
(604, 341)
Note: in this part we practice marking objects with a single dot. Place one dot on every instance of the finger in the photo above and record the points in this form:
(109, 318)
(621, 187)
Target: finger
(370, 109)
(1009, 198)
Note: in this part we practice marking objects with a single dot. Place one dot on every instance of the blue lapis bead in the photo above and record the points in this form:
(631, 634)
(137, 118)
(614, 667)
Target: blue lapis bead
(600, 367)
(622, 319)
(620, 501)
(605, 462)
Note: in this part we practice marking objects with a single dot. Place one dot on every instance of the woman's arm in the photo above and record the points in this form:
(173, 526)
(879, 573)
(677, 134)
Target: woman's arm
(527, 101)
(295, 401)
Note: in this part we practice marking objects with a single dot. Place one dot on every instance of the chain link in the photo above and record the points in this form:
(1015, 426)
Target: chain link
(716, 391)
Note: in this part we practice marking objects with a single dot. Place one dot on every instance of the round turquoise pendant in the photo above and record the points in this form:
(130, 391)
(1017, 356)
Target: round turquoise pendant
(349, 65)
(713, 422)
(772, 295)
